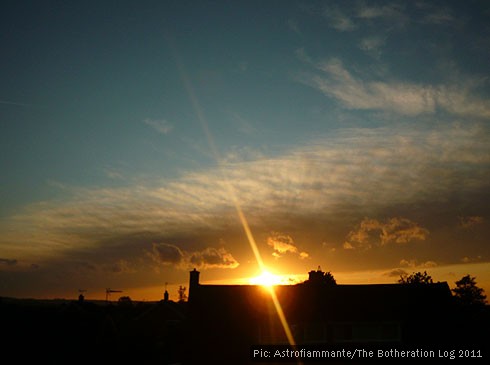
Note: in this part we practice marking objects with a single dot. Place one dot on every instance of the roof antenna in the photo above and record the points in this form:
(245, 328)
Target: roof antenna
(108, 292)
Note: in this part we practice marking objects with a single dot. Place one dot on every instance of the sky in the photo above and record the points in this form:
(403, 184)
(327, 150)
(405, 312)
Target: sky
(352, 135)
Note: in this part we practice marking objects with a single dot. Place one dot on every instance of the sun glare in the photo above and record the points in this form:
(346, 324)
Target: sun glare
(265, 279)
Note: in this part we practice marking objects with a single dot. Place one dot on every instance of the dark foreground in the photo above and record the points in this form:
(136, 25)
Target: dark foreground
(62, 332)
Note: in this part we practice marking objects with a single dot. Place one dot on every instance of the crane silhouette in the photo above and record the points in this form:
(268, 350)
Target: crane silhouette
(108, 292)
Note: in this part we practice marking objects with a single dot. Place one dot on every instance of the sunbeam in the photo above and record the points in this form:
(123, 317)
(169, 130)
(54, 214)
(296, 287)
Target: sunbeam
(230, 190)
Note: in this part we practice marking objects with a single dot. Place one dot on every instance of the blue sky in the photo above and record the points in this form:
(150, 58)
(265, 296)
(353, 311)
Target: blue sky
(354, 135)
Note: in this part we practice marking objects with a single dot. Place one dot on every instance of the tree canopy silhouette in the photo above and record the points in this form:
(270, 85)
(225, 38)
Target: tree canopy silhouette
(416, 278)
(329, 279)
(467, 292)
(125, 301)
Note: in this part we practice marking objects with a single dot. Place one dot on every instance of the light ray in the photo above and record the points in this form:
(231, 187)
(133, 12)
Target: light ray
(230, 190)
(282, 317)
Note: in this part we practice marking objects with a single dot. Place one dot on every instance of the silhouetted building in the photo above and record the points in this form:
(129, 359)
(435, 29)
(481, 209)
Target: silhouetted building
(319, 277)
(316, 276)
(237, 316)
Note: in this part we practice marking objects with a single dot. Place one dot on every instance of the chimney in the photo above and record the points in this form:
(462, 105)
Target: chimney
(316, 277)
(193, 282)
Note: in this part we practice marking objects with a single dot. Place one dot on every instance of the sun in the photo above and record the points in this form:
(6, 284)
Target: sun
(265, 279)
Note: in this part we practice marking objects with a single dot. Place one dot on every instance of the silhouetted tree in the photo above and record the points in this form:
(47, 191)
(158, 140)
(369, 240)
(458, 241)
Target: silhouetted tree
(416, 278)
(329, 279)
(125, 301)
(467, 292)
(182, 295)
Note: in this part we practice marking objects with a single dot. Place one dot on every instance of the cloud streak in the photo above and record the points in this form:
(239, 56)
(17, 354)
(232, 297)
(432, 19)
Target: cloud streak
(395, 15)
(349, 173)
(161, 126)
(338, 20)
(372, 44)
(390, 11)
(405, 98)
(352, 18)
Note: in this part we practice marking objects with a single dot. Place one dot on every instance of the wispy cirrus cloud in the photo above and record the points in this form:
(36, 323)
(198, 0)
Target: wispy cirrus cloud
(388, 16)
(353, 171)
(405, 98)
(435, 13)
(338, 19)
(390, 11)
(372, 44)
(121, 267)
(352, 17)
(160, 125)
(440, 16)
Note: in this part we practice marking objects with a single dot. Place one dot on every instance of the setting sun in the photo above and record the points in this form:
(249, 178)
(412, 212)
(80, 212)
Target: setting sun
(266, 279)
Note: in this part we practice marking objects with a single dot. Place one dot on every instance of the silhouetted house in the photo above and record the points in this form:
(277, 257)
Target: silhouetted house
(158, 332)
(234, 317)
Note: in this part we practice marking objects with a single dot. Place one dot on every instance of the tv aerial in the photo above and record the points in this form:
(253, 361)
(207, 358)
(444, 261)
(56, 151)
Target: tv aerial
(108, 293)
